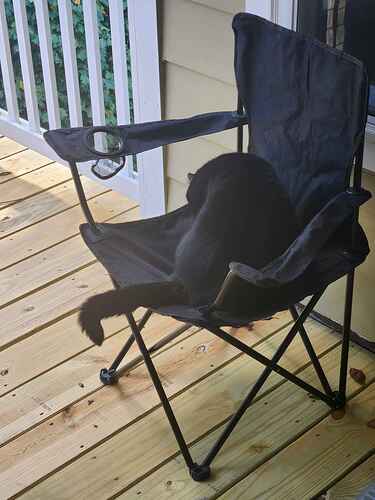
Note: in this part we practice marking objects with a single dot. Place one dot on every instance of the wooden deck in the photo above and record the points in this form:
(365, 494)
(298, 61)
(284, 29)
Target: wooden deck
(64, 436)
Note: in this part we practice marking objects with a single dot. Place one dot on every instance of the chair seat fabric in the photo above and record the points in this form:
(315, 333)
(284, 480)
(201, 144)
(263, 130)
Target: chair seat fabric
(144, 251)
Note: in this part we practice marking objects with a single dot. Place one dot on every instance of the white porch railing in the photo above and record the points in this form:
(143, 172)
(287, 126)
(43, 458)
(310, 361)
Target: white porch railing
(145, 182)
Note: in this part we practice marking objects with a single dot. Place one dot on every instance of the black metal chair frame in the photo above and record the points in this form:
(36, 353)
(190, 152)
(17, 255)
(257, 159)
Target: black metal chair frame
(335, 399)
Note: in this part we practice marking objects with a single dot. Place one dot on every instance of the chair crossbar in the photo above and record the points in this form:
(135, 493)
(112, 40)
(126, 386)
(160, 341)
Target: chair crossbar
(334, 399)
(110, 376)
(274, 367)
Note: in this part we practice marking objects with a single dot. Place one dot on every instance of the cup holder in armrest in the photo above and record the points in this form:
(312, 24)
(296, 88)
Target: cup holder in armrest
(105, 142)
(108, 145)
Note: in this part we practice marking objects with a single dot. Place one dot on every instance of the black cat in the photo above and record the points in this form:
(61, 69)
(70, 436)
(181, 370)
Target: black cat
(240, 212)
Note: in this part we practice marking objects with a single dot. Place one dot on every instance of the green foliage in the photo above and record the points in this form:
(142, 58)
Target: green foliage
(79, 31)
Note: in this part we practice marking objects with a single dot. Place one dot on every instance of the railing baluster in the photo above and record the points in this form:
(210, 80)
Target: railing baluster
(48, 66)
(120, 72)
(70, 62)
(7, 68)
(26, 64)
(94, 62)
(143, 186)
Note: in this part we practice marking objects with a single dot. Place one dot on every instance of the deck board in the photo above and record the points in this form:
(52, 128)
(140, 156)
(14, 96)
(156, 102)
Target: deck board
(58, 228)
(210, 402)
(49, 266)
(272, 422)
(46, 204)
(307, 465)
(32, 183)
(9, 147)
(46, 447)
(63, 435)
(21, 163)
(354, 483)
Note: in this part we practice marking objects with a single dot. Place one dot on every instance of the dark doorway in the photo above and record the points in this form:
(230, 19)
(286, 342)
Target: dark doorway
(347, 25)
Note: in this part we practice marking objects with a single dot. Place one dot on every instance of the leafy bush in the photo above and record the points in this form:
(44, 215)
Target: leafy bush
(79, 31)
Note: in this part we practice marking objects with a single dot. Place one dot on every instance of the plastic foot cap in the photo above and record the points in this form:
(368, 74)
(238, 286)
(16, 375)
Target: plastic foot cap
(339, 401)
(200, 472)
(108, 377)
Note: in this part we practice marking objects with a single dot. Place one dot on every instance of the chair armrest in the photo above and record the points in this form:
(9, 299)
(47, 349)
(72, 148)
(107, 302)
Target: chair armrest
(302, 252)
(70, 144)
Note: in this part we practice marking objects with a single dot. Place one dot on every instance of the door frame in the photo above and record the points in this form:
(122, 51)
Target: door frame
(283, 12)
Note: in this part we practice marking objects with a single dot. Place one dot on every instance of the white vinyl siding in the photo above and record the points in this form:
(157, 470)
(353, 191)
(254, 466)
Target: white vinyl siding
(197, 51)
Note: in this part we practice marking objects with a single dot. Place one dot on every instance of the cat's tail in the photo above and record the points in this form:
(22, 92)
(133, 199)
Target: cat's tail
(125, 300)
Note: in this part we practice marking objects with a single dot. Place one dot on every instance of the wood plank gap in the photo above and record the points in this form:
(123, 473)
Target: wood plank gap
(49, 162)
(291, 441)
(39, 328)
(369, 385)
(215, 340)
(180, 359)
(48, 283)
(88, 348)
(50, 216)
(68, 358)
(26, 280)
(228, 362)
(141, 478)
(266, 392)
(226, 397)
(91, 393)
(250, 435)
(68, 237)
(139, 417)
(10, 203)
(355, 482)
(27, 316)
(350, 469)
(217, 426)
(12, 154)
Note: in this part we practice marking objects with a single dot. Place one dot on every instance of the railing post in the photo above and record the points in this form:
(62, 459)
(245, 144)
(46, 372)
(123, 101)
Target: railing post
(146, 98)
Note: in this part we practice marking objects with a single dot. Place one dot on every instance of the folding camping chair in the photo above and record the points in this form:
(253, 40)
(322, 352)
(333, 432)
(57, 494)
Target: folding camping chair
(305, 105)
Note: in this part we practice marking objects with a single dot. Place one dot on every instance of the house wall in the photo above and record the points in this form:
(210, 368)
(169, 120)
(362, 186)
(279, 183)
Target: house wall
(197, 77)
(332, 302)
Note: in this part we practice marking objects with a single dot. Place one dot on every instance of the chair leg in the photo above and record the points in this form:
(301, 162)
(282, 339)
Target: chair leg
(312, 354)
(345, 339)
(198, 472)
(258, 385)
(201, 472)
(109, 376)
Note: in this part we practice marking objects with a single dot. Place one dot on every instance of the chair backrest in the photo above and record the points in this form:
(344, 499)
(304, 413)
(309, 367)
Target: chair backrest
(306, 105)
